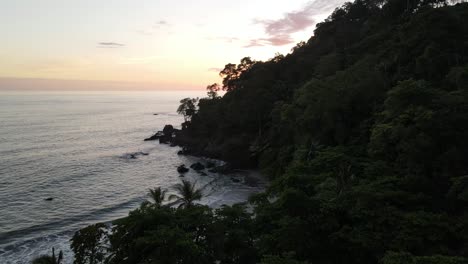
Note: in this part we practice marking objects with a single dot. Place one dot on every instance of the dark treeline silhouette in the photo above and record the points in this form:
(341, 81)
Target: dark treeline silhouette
(364, 132)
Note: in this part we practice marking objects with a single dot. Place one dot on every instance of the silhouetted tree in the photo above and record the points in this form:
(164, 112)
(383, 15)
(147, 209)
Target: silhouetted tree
(187, 108)
(187, 193)
(213, 90)
(157, 195)
(49, 259)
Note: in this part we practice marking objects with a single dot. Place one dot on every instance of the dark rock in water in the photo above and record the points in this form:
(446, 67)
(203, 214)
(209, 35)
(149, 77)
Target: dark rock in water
(197, 166)
(49, 199)
(166, 136)
(183, 151)
(164, 140)
(134, 155)
(168, 130)
(155, 114)
(182, 169)
(155, 136)
(210, 164)
(235, 179)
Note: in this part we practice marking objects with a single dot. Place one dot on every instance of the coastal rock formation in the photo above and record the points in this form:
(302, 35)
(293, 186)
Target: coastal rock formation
(197, 166)
(182, 169)
(166, 136)
(134, 155)
(155, 136)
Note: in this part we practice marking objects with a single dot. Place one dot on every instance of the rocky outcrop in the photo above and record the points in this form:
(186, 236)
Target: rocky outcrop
(166, 136)
(155, 136)
(197, 166)
(182, 169)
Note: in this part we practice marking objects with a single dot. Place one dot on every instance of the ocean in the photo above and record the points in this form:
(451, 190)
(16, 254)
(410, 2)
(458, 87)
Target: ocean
(77, 148)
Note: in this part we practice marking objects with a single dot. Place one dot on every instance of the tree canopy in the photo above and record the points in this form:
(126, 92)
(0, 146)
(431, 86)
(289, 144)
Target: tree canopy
(363, 132)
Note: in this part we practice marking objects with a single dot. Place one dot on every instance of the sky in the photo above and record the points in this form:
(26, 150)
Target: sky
(144, 44)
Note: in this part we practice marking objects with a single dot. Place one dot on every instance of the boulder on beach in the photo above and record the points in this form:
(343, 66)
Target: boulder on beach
(182, 169)
(197, 166)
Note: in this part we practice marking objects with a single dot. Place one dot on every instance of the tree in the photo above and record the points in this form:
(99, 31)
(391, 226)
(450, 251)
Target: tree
(87, 244)
(49, 259)
(232, 73)
(230, 76)
(187, 108)
(187, 193)
(157, 195)
(213, 90)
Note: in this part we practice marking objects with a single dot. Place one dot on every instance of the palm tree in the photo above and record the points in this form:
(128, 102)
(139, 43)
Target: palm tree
(157, 195)
(49, 259)
(186, 194)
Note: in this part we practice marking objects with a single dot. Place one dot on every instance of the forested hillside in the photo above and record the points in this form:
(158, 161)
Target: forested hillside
(363, 131)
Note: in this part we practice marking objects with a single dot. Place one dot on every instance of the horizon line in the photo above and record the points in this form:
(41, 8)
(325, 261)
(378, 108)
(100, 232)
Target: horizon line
(48, 84)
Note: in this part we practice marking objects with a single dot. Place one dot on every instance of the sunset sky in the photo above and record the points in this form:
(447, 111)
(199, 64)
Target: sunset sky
(147, 44)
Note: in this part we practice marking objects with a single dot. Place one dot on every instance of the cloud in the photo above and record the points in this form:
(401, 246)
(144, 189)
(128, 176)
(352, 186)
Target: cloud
(279, 31)
(110, 45)
(279, 40)
(153, 29)
(161, 24)
(225, 39)
(215, 69)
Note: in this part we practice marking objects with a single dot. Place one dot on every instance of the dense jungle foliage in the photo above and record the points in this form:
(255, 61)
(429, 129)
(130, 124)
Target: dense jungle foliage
(363, 131)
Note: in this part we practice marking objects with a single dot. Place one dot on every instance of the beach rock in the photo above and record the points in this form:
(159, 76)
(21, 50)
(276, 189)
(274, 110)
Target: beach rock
(155, 114)
(182, 169)
(210, 164)
(202, 173)
(197, 166)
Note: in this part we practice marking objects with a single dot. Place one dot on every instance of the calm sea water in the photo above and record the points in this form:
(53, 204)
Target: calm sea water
(74, 147)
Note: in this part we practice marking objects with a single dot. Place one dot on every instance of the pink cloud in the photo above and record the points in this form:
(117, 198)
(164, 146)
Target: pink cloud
(279, 40)
(279, 31)
(215, 69)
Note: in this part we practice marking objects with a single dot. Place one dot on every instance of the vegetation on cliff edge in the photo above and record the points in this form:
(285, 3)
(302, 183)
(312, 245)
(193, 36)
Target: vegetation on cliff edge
(364, 132)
